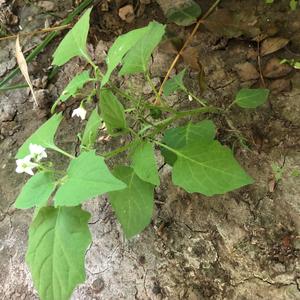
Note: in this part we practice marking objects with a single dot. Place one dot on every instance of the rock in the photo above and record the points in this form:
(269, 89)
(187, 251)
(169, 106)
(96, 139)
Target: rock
(274, 69)
(7, 110)
(46, 5)
(100, 52)
(246, 71)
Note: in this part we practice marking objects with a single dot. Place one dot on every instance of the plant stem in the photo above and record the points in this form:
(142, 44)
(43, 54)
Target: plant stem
(188, 40)
(57, 149)
(119, 150)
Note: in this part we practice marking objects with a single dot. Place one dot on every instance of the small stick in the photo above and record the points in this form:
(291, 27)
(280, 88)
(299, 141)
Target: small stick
(39, 31)
(188, 40)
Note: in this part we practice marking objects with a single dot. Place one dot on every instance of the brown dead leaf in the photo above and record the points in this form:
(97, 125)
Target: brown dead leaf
(271, 45)
(232, 24)
(23, 67)
(280, 85)
(246, 71)
(126, 13)
(190, 56)
(274, 69)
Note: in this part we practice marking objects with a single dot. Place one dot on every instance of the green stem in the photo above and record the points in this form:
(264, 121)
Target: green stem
(119, 150)
(46, 41)
(57, 149)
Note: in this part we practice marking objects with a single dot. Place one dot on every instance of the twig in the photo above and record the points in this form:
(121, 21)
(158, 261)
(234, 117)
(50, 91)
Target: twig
(259, 65)
(39, 31)
(188, 40)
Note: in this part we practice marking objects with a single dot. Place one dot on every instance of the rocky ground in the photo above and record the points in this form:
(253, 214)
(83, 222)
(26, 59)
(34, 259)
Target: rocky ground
(243, 245)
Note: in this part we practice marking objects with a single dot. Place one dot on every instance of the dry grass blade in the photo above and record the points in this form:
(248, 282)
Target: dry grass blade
(23, 67)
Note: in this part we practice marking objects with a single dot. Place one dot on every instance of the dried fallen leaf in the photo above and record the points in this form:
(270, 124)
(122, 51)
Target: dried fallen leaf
(271, 45)
(23, 67)
(126, 13)
(275, 69)
(190, 56)
(246, 71)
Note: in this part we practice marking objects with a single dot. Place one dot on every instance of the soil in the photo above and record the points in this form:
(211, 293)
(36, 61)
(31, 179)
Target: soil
(243, 245)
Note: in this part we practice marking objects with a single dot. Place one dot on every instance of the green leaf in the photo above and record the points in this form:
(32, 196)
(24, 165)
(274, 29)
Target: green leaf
(178, 137)
(251, 98)
(73, 86)
(208, 168)
(137, 58)
(112, 112)
(43, 136)
(185, 15)
(293, 4)
(58, 239)
(74, 43)
(91, 129)
(174, 84)
(133, 205)
(87, 177)
(36, 191)
(119, 48)
(144, 163)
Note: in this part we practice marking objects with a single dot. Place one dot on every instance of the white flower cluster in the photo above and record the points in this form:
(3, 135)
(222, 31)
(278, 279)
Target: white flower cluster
(29, 162)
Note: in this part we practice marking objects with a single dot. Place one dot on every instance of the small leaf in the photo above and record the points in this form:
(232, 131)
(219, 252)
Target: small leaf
(293, 4)
(73, 86)
(208, 168)
(119, 48)
(137, 58)
(184, 15)
(87, 177)
(91, 129)
(36, 191)
(74, 43)
(144, 163)
(43, 136)
(133, 205)
(58, 239)
(174, 84)
(23, 67)
(251, 98)
(178, 137)
(112, 112)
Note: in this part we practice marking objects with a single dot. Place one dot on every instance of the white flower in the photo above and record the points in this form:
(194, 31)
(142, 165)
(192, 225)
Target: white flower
(79, 112)
(37, 152)
(190, 98)
(25, 165)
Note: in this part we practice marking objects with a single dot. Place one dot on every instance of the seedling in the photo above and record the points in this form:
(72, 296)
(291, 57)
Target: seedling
(59, 234)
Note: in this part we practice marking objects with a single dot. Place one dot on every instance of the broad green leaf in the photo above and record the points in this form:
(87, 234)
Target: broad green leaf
(58, 240)
(137, 58)
(178, 137)
(144, 162)
(133, 205)
(208, 168)
(74, 43)
(91, 130)
(119, 48)
(87, 177)
(36, 191)
(185, 15)
(251, 98)
(112, 112)
(73, 86)
(174, 84)
(43, 136)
